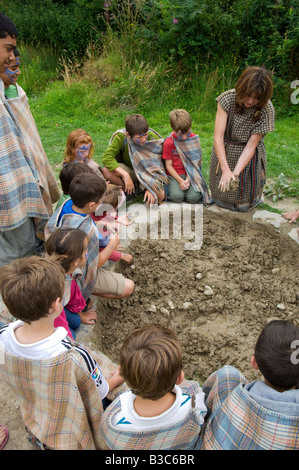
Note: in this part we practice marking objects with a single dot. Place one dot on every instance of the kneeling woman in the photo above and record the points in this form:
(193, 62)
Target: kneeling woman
(238, 163)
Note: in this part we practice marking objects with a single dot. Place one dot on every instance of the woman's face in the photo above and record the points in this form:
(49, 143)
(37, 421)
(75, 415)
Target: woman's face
(250, 101)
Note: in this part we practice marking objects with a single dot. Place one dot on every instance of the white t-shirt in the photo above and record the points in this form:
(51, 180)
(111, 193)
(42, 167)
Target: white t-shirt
(128, 419)
(52, 346)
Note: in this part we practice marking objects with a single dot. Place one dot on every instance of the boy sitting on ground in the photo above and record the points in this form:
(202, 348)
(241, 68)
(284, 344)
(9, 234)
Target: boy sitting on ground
(162, 410)
(60, 384)
(263, 414)
(86, 191)
(183, 161)
(123, 160)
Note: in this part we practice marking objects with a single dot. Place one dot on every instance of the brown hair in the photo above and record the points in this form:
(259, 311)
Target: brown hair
(85, 188)
(151, 361)
(69, 171)
(180, 120)
(81, 136)
(29, 286)
(257, 82)
(273, 354)
(68, 244)
(136, 124)
(112, 193)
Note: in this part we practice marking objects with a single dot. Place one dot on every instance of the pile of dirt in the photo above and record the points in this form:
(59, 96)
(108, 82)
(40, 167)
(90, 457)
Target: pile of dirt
(217, 299)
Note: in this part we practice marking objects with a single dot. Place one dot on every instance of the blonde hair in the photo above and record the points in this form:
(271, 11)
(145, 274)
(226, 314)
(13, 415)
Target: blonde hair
(74, 137)
(257, 82)
(180, 120)
(151, 361)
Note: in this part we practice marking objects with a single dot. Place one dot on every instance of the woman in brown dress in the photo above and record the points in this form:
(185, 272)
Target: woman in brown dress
(238, 163)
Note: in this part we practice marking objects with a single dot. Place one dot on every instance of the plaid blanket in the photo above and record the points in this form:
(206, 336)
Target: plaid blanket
(59, 401)
(21, 190)
(21, 110)
(189, 151)
(147, 163)
(237, 422)
(182, 435)
(86, 224)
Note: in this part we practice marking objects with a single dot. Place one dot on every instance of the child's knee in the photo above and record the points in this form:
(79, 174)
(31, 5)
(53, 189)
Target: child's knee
(193, 198)
(177, 197)
(129, 289)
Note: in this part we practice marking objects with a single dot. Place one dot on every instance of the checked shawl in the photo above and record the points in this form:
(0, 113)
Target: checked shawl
(59, 400)
(86, 224)
(182, 435)
(20, 184)
(237, 422)
(21, 110)
(189, 151)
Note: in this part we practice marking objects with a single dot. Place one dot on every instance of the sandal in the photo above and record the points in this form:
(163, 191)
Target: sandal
(89, 304)
(6, 437)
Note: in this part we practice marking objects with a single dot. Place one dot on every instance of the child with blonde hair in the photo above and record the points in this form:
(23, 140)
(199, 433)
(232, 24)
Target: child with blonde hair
(183, 160)
(80, 148)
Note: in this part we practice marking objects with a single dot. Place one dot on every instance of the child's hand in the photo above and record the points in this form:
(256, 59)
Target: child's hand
(129, 185)
(149, 198)
(115, 380)
(182, 185)
(89, 317)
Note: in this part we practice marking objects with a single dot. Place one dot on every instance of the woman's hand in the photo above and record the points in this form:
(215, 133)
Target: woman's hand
(225, 180)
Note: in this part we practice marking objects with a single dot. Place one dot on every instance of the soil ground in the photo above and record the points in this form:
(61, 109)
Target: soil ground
(217, 299)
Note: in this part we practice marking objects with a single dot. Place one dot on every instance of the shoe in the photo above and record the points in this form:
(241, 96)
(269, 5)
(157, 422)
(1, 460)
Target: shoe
(5, 438)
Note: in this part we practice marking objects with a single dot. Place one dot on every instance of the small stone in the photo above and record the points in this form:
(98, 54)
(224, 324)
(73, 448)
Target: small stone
(152, 308)
(164, 310)
(198, 276)
(133, 266)
(208, 290)
(280, 306)
(187, 305)
(170, 304)
(275, 270)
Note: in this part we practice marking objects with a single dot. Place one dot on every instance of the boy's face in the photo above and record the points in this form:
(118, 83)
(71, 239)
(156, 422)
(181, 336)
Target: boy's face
(7, 46)
(11, 74)
(183, 135)
(140, 139)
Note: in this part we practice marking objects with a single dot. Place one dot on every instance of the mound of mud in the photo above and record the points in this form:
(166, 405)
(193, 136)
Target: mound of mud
(217, 299)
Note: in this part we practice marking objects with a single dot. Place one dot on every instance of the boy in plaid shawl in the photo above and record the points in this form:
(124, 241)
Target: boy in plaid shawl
(133, 158)
(183, 160)
(263, 414)
(60, 384)
(86, 191)
(162, 410)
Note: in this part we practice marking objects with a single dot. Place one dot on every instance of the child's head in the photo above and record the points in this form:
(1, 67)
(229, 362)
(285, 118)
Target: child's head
(30, 286)
(180, 122)
(137, 128)
(113, 196)
(79, 146)
(11, 74)
(69, 171)
(151, 361)
(87, 189)
(71, 246)
(273, 354)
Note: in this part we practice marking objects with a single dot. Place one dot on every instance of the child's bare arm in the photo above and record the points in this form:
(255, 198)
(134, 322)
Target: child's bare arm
(105, 254)
(115, 380)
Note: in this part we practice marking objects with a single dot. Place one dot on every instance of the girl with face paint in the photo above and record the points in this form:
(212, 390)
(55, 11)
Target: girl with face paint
(80, 149)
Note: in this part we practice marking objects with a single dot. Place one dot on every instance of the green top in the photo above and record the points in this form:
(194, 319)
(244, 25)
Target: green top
(119, 147)
(11, 92)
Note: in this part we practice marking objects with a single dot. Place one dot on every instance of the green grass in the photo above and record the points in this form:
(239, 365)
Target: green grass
(63, 108)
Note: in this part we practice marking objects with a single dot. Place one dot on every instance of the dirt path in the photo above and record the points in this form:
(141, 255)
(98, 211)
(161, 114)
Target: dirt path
(217, 299)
